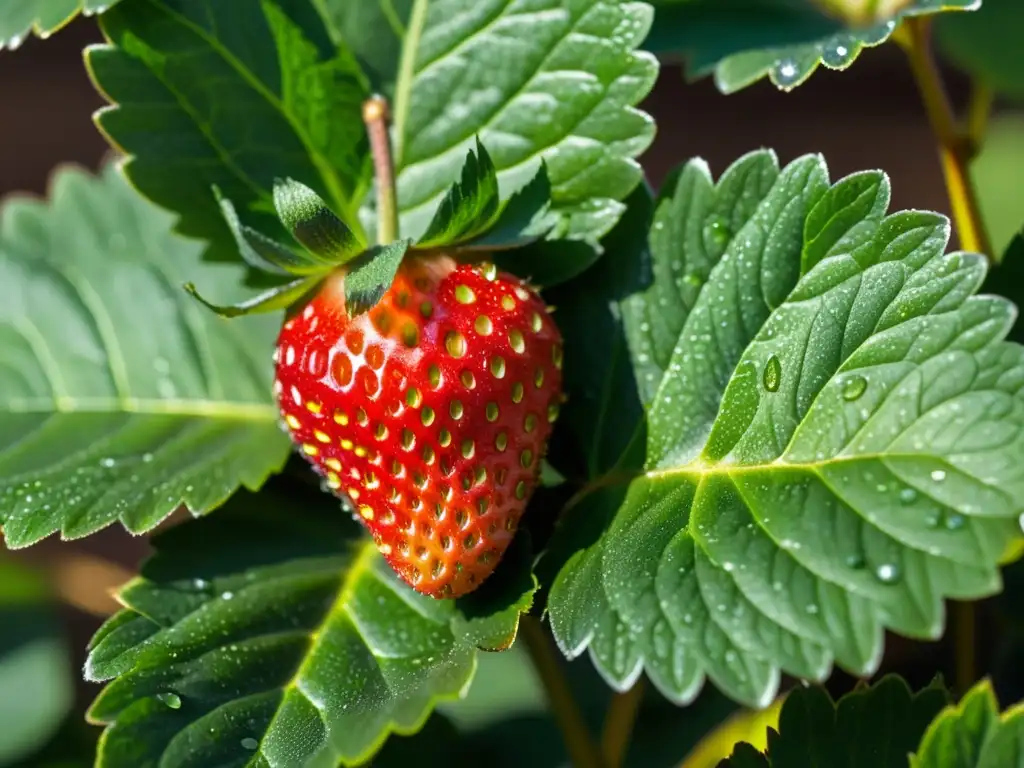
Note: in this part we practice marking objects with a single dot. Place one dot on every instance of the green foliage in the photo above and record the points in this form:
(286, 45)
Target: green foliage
(857, 730)
(986, 44)
(42, 17)
(570, 77)
(234, 96)
(371, 275)
(35, 674)
(996, 174)
(826, 452)
(973, 734)
(153, 401)
(274, 618)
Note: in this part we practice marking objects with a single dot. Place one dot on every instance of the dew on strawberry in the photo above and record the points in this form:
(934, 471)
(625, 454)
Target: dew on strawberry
(431, 412)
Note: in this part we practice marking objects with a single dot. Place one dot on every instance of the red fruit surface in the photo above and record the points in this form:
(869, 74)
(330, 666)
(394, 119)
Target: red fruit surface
(431, 412)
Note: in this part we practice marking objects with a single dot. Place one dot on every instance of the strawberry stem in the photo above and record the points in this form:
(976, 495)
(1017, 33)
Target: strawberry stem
(376, 117)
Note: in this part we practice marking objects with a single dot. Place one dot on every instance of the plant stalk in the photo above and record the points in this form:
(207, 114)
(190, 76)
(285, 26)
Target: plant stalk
(583, 752)
(955, 147)
(618, 724)
(376, 117)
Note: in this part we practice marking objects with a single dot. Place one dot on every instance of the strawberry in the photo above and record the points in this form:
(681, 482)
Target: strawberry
(430, 412)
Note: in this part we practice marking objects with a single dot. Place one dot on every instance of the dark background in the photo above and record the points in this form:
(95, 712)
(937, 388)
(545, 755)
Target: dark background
(867, 117)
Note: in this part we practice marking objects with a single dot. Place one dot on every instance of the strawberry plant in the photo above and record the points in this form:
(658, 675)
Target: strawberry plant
(422, 392)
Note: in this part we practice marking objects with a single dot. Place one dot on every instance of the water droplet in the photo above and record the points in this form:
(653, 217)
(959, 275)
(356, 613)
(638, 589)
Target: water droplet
(200, 583)
(811, 608)
(786, 73)
(250, 743)
(888, 573)
(108, 463)
(854, 387)
(855, 561)
(938, 475)
(933, 518)
(693, 279)
(171, 700)
(717, 233)
(908, 496)
(729, 567)
(955, 522)
(772, 375)
(227, 595)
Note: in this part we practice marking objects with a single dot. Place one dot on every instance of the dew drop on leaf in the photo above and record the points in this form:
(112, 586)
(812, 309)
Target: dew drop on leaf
(171, 700)
(908, 496)
(786, 72)
(250, 743)
(716, 233)
(855, 561)
(693, 279)
(854, 387)
(888, 573)
(227, 595)
(772, 375)
(955, 522)
(938, 475)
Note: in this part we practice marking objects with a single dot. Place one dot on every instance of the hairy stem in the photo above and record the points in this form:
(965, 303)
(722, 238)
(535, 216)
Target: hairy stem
(955, 148)
(375, 116)
(618, 724)
(583, 752)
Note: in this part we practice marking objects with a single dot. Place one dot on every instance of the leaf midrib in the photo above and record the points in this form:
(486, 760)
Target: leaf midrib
(327, 171)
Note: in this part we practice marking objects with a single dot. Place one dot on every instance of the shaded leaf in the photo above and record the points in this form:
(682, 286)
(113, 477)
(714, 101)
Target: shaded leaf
(271, 300)
(42, 17)
(826, 453)
(375, 31)
(36, 690)
(231, 95)
(368, 278)
(748, 728)
(875, 725)
(120, 397)
(986, 44)
(270, 619)
(523, 219)
(999, 187)
(973, 734)
(313, 224)
(789, 66)
(258, 250)
(536, 81)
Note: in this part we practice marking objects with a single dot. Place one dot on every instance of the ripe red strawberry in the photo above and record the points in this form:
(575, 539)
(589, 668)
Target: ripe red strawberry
(431, 412)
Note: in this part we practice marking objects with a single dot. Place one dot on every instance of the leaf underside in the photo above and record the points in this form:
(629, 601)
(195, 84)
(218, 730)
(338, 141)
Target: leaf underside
(832, 445)
(42, 17)
(790, 66)
(121, 398)
(270, 619)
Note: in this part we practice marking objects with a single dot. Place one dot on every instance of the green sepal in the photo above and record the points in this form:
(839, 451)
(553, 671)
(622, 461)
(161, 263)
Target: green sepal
(469, 207)
(314, 224)
(369, 276)
(261, 252)
(523, 219)
(271, 300)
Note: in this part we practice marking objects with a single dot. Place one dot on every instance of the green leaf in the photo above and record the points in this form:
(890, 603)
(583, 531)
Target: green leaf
(233, 96)
(272, 633)
(313, 224)
(374, 30)
(271, 300)
(972, 734)
(120, 397)
(522, 220)
(42, 17)
(36, 691)
(369, 277)
(986, 44)
(877, 725)
(547, 82)
(832, 422)
(1000, 187)
(471, 205)
(789, 66)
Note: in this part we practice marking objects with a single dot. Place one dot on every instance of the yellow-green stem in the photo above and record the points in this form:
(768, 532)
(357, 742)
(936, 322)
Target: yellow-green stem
(376, 118)
(583, 752)
(914, 36)
(618, 724)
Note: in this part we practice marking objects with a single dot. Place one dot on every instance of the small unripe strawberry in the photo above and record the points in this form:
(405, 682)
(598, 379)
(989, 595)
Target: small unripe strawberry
(431, 412)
